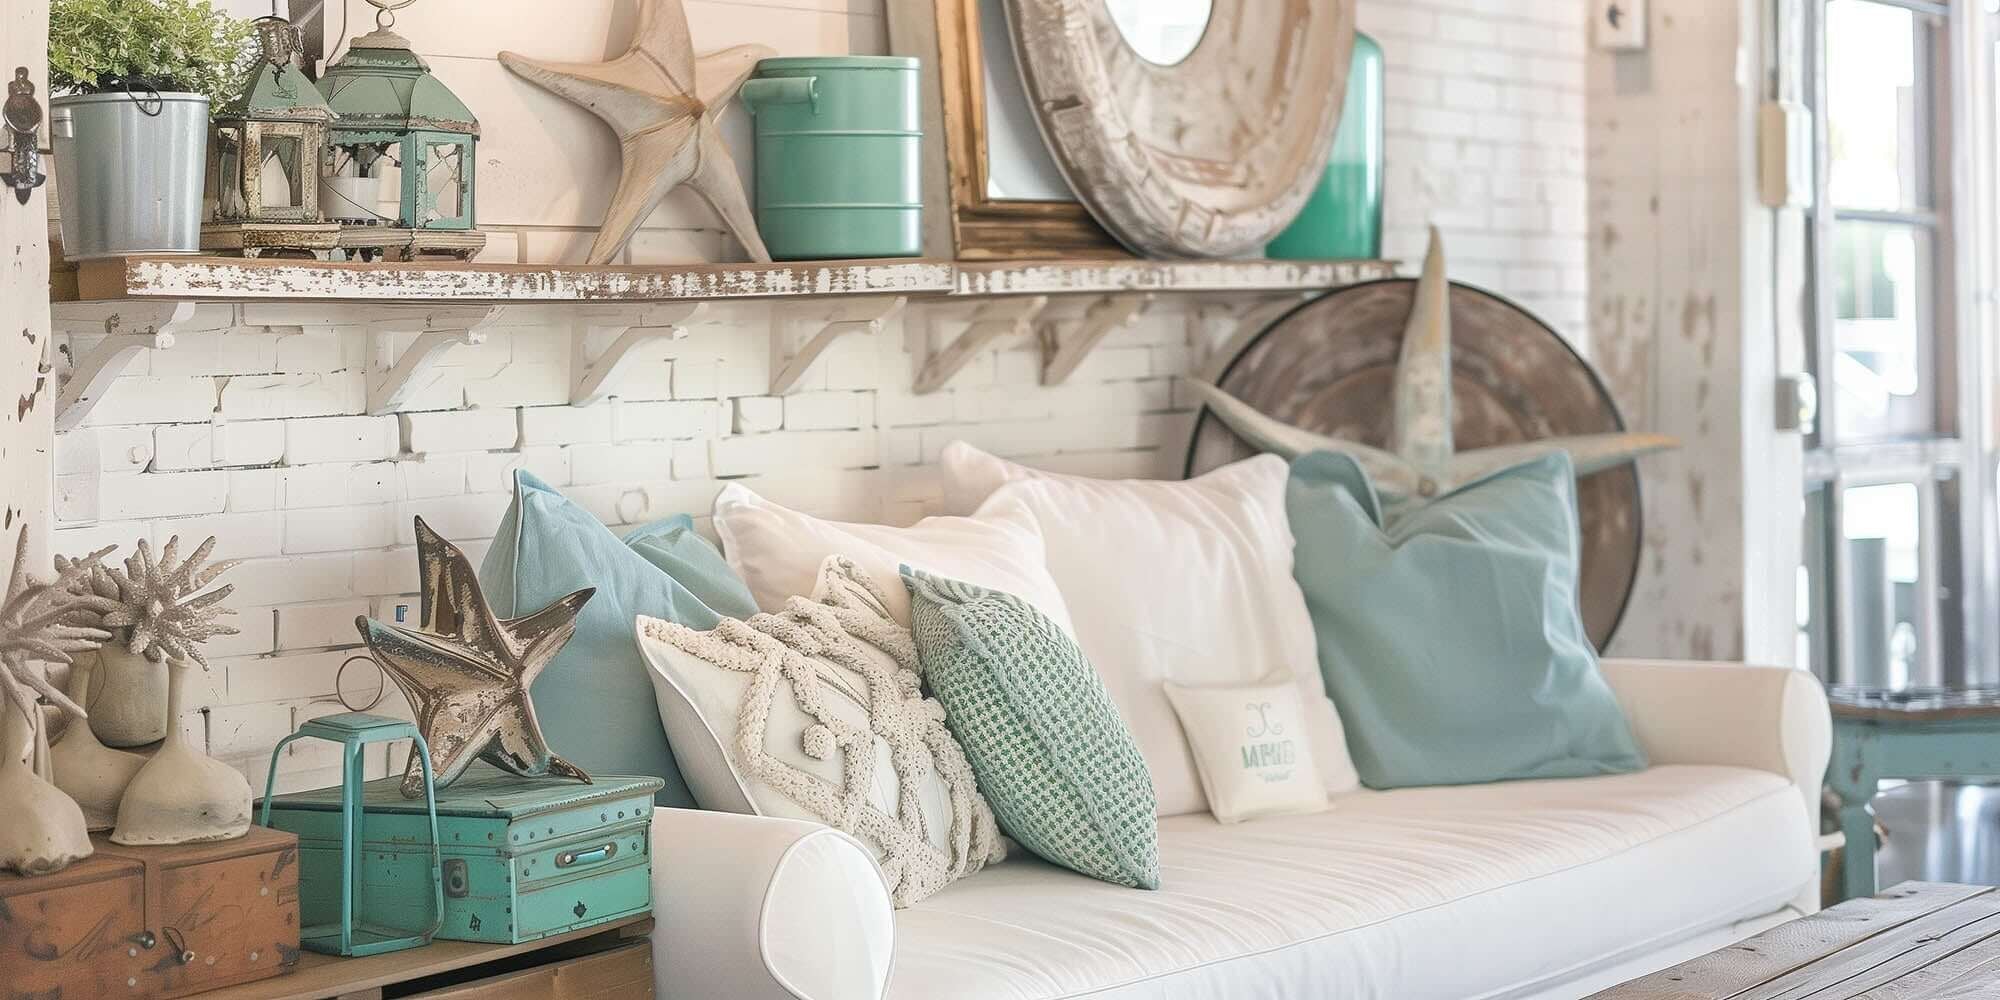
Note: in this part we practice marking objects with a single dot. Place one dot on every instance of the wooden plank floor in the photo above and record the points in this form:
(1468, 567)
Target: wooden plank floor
(1917, 941)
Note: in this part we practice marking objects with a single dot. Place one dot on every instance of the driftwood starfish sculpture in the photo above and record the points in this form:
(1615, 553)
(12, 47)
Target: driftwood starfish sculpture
(1421, 461)
(467, 673)
(663, 104)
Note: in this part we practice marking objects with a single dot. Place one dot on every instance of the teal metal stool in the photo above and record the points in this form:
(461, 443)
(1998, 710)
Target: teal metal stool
(349, 936)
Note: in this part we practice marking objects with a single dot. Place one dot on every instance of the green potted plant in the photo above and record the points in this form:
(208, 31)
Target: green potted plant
(136, 80)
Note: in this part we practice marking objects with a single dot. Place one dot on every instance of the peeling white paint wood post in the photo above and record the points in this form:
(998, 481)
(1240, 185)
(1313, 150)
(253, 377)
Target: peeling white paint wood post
(26, 415)
(136, 327)
(1062, 353)
(790, 359)
(440, 330)
(597, 377)
(992, 322)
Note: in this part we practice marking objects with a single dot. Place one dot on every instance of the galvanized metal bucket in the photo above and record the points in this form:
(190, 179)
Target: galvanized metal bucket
(129, 172)
(838, 145)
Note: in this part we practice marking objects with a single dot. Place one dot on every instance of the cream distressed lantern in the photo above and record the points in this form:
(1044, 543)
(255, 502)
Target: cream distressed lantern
(264, 152)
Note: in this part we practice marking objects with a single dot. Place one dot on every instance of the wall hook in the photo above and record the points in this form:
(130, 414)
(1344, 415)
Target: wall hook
(22, 115)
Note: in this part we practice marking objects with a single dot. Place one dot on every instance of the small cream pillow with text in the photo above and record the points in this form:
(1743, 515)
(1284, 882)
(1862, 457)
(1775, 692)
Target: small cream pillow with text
(1250, 749)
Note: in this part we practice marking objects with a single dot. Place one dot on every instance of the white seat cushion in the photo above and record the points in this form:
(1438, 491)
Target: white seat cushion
(1450, 893)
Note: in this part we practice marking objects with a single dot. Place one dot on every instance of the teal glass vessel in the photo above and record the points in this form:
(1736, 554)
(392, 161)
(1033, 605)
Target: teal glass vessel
(1343, 218)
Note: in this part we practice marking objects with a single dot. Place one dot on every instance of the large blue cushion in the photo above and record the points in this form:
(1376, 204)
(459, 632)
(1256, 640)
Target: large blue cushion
(595, 701)
(1449, 636)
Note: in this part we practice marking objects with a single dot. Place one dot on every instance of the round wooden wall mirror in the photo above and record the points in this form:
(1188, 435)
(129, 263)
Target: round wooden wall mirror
(1189, 128)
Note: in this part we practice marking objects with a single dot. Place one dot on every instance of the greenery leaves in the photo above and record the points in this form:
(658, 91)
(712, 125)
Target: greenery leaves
(141, 45)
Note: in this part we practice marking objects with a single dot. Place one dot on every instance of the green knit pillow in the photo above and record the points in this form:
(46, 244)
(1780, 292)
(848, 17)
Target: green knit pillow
(1061, 771)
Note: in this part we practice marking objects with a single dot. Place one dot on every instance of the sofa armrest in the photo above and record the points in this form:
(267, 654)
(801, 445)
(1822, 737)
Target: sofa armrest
(753, 907)
(1769, 718)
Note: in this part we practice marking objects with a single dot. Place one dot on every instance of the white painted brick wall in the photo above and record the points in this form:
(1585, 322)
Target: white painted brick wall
(258, 432)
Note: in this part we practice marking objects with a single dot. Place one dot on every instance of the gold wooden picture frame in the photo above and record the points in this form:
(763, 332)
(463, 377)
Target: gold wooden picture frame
(960, 220)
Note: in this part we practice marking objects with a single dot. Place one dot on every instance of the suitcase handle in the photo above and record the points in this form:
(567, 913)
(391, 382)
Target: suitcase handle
(602, 852)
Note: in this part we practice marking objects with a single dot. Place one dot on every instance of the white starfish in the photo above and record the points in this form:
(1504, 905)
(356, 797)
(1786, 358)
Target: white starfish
(1421, 461)
(663, 104)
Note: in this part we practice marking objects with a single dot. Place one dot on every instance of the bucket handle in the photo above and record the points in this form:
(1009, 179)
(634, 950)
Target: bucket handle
(772, 90)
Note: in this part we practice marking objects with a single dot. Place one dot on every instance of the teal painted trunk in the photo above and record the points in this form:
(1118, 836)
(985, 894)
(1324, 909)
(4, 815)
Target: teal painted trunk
(838, 140)
(524, 858)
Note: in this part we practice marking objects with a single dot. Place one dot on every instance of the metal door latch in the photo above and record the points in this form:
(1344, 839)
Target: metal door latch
(22, 115)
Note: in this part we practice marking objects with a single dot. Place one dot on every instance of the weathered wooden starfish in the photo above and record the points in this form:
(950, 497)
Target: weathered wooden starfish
(1421, 461)
(467, 673)
(663, 103)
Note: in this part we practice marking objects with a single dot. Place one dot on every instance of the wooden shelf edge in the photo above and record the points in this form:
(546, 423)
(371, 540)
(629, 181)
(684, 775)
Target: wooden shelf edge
(235, 279)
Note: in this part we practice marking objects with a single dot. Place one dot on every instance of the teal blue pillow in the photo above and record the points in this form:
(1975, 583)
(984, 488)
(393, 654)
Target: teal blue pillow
(595, 700)
(1061, 771)
(1449, 637)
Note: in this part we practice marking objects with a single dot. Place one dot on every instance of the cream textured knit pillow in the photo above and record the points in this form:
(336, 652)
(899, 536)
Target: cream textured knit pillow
(815, 713)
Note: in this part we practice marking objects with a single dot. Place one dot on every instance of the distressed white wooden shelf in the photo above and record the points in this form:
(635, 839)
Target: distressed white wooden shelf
(234, 279)
(246, 279)
(1085, 277)
(612, 311)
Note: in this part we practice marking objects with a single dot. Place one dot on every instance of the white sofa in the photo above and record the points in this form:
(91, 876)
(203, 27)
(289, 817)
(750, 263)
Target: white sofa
(1540, 889)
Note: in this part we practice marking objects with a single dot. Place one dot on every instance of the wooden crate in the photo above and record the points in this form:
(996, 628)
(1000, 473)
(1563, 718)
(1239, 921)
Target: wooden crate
(154, 922)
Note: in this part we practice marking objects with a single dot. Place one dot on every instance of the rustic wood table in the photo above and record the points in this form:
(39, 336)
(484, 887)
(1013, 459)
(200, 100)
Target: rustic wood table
(1907, 734)
(609, 960)
(1917, 941)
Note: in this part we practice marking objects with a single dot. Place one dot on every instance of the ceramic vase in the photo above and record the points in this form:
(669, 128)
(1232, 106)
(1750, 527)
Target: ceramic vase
(182, 796)
(130, 706)
(85, 769)
(41, 829)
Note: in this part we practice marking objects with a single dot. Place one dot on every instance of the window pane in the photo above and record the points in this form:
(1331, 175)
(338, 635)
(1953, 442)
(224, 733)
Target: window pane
(444, 180)
(1882, 330)
(1878, 107)
(282, 172)
(1880, 528)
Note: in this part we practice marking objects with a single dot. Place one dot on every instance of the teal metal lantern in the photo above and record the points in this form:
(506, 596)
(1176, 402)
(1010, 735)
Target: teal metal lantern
(342, 908)
(395, 118)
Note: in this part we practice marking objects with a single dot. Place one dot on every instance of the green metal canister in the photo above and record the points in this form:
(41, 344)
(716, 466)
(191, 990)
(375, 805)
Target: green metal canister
(837, 156)
(1343, 218)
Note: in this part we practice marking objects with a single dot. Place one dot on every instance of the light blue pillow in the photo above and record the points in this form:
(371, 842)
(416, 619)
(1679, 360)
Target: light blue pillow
(1450, 637)
(676, 548)
(595, 701)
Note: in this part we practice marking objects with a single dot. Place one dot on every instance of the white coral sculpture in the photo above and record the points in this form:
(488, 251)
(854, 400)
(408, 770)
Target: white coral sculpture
(47, 622)
(162, 603)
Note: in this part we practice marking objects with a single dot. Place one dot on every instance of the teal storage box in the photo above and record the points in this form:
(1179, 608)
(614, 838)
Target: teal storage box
(838, 147)
(524, 858)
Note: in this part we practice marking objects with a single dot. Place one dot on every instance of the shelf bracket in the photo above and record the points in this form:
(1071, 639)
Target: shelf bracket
(440, 331)
(135, 327)
(790, 359)
(595, 378)
(992, 322)
(1061, 355)
(1247, 325)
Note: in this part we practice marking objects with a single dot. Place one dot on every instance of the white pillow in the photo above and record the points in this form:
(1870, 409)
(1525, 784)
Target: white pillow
(778, 552)
(750, 738)
(1250, 747)
(1189, 582)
